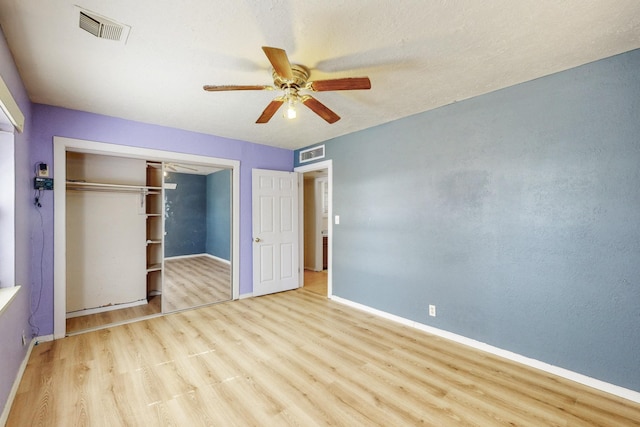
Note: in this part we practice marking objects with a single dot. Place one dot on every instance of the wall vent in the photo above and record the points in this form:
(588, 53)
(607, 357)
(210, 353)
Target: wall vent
(310, 154)
(102, 27)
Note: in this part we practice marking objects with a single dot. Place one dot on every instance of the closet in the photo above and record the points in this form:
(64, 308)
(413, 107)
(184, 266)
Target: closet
(114, 232)
(113, 207)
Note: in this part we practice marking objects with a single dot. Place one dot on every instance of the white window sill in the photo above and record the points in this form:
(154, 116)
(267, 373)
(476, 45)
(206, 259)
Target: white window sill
(6, 296)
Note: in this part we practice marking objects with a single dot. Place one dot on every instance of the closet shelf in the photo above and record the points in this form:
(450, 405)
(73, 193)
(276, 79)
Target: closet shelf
(96, 186)
(154, 267)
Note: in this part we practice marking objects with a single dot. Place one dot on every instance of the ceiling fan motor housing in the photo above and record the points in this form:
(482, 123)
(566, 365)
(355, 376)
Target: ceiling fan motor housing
(300, 77)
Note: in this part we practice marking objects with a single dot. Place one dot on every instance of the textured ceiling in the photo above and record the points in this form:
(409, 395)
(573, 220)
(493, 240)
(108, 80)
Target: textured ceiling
(419, 55)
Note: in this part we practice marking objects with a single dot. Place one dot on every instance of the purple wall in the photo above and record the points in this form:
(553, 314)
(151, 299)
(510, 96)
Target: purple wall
(54, 121)
(34, 233)
(16, 318)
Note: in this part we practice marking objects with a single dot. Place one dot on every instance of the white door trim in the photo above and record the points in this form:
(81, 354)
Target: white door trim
(328, 165)
(60, 147)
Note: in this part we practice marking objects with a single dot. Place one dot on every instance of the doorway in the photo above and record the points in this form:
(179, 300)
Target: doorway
(316, 231)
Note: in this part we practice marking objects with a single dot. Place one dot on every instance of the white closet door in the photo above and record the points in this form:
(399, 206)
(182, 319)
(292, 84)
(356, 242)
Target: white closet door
(106, 253)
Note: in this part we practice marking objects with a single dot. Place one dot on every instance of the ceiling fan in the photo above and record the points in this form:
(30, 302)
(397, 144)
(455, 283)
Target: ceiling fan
(291, 79)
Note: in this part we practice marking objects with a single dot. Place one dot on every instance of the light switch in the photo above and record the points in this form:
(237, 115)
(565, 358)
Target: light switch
(337, 219)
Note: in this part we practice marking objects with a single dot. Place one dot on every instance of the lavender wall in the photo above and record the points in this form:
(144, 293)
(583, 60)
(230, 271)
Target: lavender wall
(54, 121)
(15, 319)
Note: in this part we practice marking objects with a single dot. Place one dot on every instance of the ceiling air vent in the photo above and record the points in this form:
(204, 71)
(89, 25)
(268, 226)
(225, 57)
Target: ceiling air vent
(313, 153)
(102, 27)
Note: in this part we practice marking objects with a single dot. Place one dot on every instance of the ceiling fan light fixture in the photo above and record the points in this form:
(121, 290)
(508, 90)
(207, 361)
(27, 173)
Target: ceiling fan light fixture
(291, 96)
(291, 108)
(291, 111)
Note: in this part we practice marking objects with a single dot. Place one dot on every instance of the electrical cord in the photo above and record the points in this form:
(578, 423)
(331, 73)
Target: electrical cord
(38, 193)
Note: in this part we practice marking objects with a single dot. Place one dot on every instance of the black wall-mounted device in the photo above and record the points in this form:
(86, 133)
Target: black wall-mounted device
(42, 183)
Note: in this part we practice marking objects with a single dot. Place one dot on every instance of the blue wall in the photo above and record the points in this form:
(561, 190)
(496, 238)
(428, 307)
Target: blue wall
(219, 214)
(185, 215)
(516, 213)
(198, 214)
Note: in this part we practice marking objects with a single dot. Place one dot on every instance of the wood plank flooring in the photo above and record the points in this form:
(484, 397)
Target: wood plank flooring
(316, 282)
(91, 321)
(188, 282)
(195, 281)
(293, 358)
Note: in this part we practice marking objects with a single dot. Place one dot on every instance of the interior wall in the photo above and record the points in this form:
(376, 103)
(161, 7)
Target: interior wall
(185, 211)
(15, 320)
(218, 214)
(104, 267)
(516, 213)
(51, 121)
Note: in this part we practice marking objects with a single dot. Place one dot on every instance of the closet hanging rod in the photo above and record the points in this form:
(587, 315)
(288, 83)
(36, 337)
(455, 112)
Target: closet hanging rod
(92, 186)
(111, 190)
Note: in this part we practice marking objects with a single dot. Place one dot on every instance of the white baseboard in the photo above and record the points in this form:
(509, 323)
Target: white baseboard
(182, 256)
(243, 296)
(43, 338)
(16, 384)
(226, 261)
(625, 393)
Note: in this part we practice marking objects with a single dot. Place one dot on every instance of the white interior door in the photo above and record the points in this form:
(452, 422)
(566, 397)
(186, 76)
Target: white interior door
(275, 231)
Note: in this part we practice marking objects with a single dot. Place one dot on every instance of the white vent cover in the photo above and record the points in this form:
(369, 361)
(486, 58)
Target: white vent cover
(102, 27)
(310, 154)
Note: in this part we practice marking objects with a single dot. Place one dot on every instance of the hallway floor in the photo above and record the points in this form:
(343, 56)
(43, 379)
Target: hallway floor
(316, 282)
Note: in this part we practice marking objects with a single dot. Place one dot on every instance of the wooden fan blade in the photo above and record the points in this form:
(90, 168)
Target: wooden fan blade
(270, 110)
(320, 109)
(279, 61)
(222, 88)
(349, 83)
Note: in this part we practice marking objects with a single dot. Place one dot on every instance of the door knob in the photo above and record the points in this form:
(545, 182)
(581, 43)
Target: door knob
(257, 240)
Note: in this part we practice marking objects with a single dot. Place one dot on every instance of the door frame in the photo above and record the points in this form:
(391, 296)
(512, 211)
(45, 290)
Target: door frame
(328, 165)
(60, 147)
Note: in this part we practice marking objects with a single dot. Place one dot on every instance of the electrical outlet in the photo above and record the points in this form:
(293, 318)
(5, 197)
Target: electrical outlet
(43, 170)
(432, 310)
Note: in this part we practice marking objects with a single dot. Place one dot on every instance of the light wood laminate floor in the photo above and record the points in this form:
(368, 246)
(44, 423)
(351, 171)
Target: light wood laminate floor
(188, 282)
(316, 282)
(96, 320)
(195, 281)
(293, 358)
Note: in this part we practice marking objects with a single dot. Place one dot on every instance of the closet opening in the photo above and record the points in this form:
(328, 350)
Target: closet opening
(140, 233)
